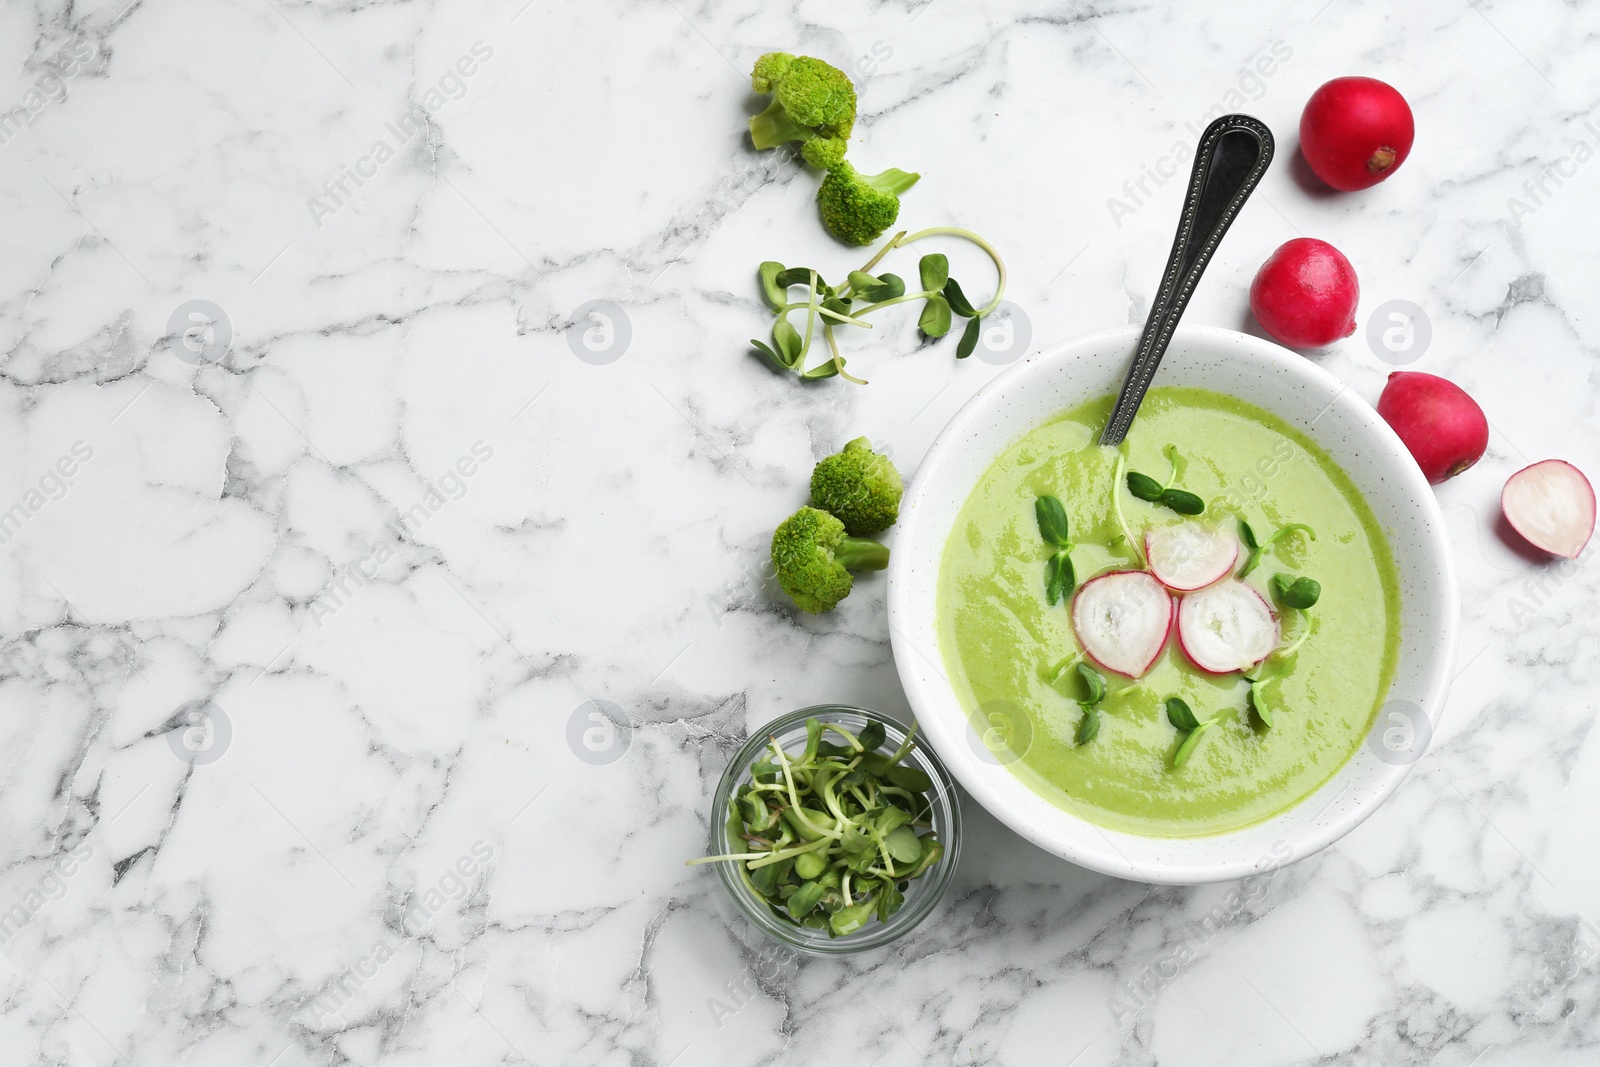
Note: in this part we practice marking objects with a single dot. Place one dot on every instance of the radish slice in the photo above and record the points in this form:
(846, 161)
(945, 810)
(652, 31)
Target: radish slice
(1190, 555)
(1552, 505)
(1226, 627)
(1122, 620)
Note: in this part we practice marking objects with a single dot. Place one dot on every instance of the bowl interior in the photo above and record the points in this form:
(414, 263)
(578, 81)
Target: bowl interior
(1309, 398)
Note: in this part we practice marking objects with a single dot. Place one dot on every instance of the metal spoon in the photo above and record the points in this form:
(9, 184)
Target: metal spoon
(1232, 155)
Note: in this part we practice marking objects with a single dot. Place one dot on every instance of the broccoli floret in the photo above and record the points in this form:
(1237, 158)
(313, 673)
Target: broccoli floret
(812, 101)
(770, 69)
(858, 208)
(814, 558)
(824, 153)
(860, 487)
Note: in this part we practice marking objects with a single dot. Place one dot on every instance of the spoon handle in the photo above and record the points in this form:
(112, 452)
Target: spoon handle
(1232, 155)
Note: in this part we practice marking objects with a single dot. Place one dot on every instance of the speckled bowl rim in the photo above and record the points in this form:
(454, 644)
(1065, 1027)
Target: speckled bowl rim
(1353, 434)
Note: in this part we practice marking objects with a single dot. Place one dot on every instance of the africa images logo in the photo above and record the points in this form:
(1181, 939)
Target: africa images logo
(67, 63)
(599, 732)
(451, 85)
(1249, 85)
(600, 332)
(352, 575)
(199, 332)
(51, 486)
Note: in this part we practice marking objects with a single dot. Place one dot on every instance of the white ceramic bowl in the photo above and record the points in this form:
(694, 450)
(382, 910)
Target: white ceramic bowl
(1270, 377)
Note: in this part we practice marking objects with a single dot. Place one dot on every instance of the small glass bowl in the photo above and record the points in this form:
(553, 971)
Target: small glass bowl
(921, 894)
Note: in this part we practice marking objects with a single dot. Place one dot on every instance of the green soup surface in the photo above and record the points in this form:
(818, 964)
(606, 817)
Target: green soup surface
(1003, 643)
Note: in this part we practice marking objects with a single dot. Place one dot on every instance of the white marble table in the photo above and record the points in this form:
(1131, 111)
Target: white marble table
(297, 627)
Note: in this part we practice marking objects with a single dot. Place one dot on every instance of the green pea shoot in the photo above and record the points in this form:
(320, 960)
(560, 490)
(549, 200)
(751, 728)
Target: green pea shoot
(1168, 496)
(1258, 548)
(1257, 700)
(1290, 592)
(1298, 593)
(827, 307)
(1060, 578)
(1181, 716)
(1094, 684)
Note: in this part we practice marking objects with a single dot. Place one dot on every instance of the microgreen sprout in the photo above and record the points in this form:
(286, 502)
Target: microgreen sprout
(1257, 700)
(1094, 691)
(1283, 652)
(1094, 684)
(1183, 718)
(1257, 548)
(1298, 593)
(1180, 500)
(1276, 664)
(1185, 750)
(1180, 715)
(1116, 508)
(836, 831)
(1055, 673)
(827, 308)
(1060, 578)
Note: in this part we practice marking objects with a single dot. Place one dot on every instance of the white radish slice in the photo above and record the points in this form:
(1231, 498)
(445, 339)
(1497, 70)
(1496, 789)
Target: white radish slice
(1226, 627)
(1190, 555)
(1552, 505)
(1122, 620)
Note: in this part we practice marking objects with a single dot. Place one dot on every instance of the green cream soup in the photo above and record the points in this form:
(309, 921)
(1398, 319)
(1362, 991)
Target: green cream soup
(1004, 645)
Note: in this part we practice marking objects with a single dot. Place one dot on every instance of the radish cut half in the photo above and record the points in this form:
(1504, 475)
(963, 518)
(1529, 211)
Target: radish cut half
(1226, 627)
(1190, 555)
(1122, 620)
(1551, 504)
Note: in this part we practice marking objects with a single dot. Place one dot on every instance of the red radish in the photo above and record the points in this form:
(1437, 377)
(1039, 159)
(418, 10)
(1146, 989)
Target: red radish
(1552, 505)
(1226, 627)
(1355, 132)
(1122, 620)
(1305, 294)
(1444, 428)
(1190, 555)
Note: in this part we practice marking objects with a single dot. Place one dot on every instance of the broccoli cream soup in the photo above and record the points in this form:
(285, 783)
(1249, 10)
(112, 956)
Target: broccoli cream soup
(1180, 636)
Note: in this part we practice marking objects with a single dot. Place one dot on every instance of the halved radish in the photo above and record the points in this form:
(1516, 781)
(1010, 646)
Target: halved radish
(1190, 555)
(1226, 627)
(1122, 620)
(1552, 505)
